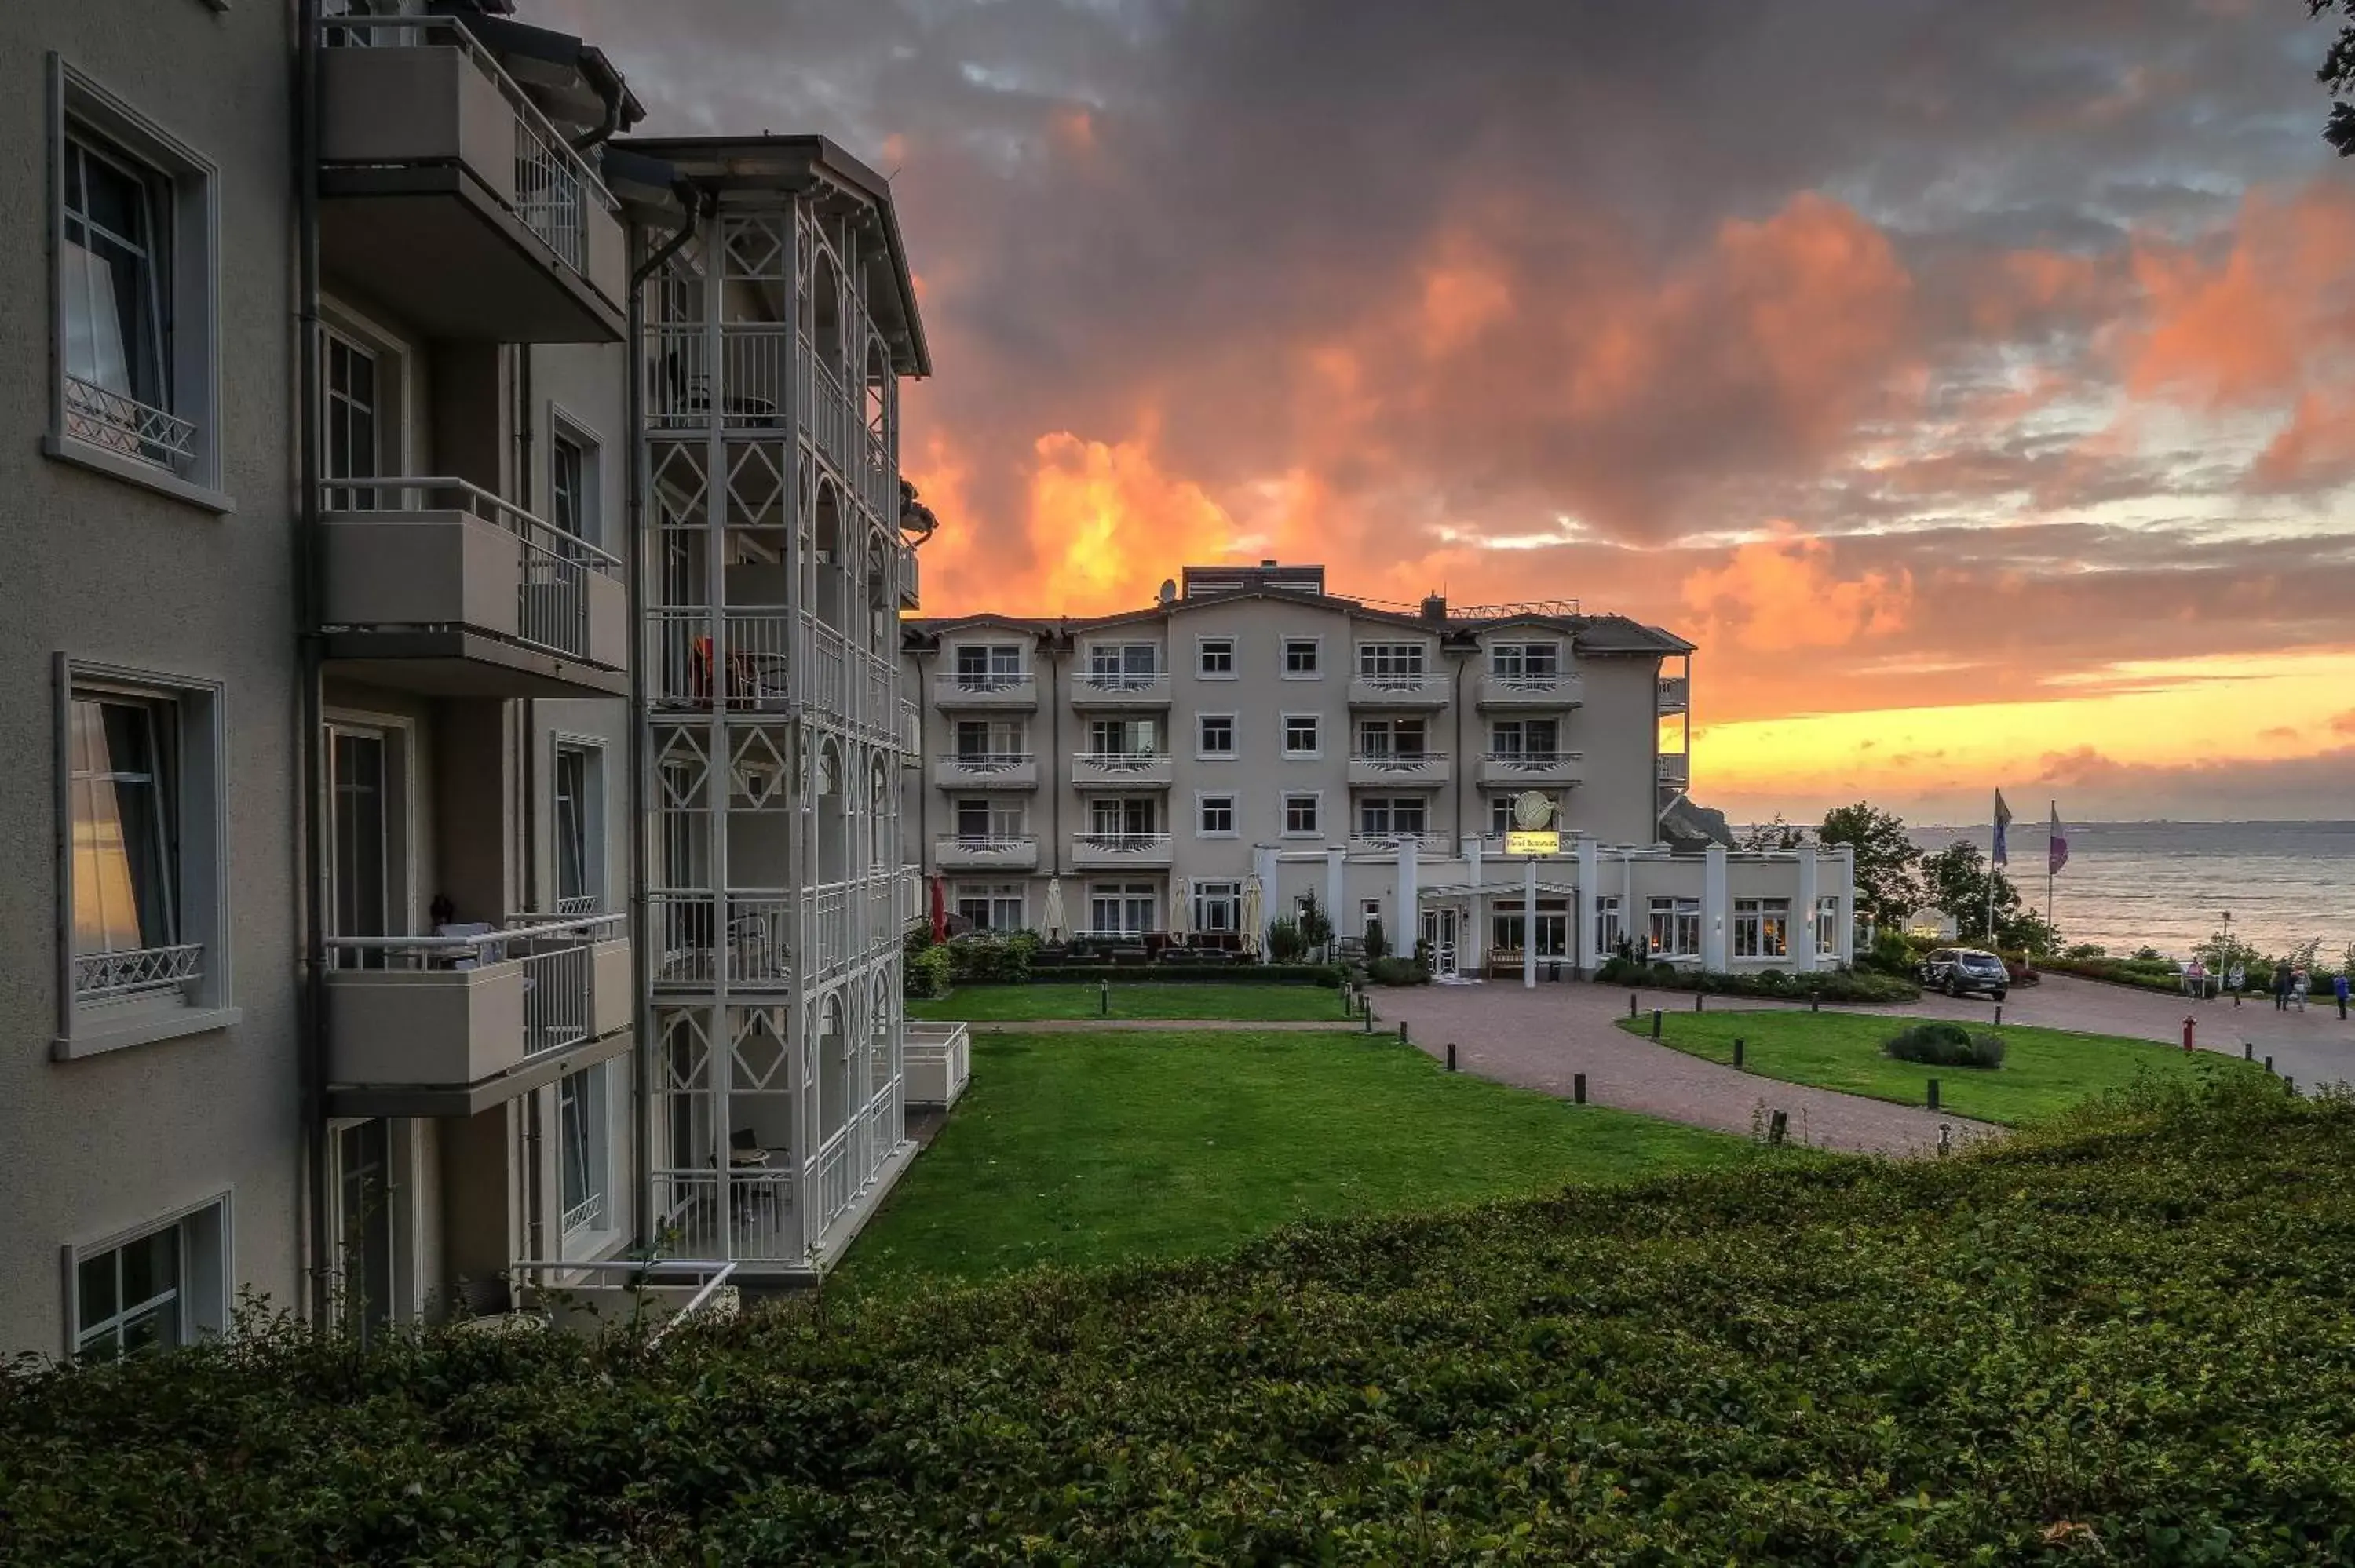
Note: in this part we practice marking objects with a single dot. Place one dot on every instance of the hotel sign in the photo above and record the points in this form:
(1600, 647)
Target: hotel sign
(1522, 840)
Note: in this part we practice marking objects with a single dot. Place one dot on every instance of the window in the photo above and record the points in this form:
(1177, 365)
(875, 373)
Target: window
(1123, 737)
(1379, 815)
(1123, 666)
(1300, 735)
(580, 781)
(1674, 927)
(1524, 740)
(1762, 928)
(1826, 927)
(991, 905)
(1214, 658)
(1218, 906)
(366, 1238)
(1122, 908)
(1391, 739)
(133, 240)
(166, 1286)
(1301, 657)
(988, 741)
(126, 932)
(986, 822)
(1398, 665)
(1525, 663)
(1300, 815)
(1123, 818)
(1369, 911)
(584, 1134)
(1609, 930)
(572, 475)
(1216, 816)
(988, 666)
(353, 430)
(1506, 923)
(1500, 812)
(1214, 734)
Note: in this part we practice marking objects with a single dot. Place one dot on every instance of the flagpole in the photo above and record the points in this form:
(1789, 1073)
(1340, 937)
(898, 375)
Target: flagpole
(1995, 847)
(2054, 817)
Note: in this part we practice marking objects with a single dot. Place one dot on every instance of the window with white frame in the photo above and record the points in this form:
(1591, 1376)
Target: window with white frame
(1214, 734)
(1675, 930)
(1828, 927)
(572, 476)
(1218, 906)
(1527, 663)
(353, 422)
(580, 821)
(1369, 910)
(1609, 930)
(1214, 658)
(164, 1286)
(1123, 818)
(1300, 815)
(1399, 815)
(988, 666)
(1303, 658)
(1507, 925)
(1123, 666)
(1392, 739)
(981, 820)
(1122, 908)
(1524, 740)
(1762, 928)
(1300, 735)
(989, 740)
(1216, 817)
(584, 1150)
(991, 905)
(1123, 737)
(1391, 665)
(132, 230)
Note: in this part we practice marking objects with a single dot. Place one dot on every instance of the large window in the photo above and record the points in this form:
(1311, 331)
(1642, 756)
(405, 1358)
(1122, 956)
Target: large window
(1391, 739)
(980, 821)
(1303, 657)
(1214, 658)
(1216, 816)
(573, 471)
(1300, 735)
(989, 740)
(991, 905)
(1214, 734)
(988, 666)
(1507, 926)
(584, 1133)
(1827, 928)
(1525, 663)
(1123, 737)
(1526, 740)
(166, 1286)
(1123, 665)
(579, 828)
(1122, 908)
(132, 243)
(1397, 664)
(1609, 930)
(354, 430)
(1217, 905)
(1675, 930)
(1762, 928)
(126, 911)
(1387, 815)
(1121, 818)
(1300, 815)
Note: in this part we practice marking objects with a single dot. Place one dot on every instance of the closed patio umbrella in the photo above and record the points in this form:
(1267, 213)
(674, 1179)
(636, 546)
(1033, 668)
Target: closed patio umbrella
(940, 911)
(1051, 923)
(1179, 912)
(1252, 903)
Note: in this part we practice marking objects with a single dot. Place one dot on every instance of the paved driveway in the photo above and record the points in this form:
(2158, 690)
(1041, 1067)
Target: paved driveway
(1539, 1039)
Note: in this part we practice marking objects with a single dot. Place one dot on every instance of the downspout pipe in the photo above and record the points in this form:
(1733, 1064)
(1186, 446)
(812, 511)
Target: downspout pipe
(602, 131)
(311, 987)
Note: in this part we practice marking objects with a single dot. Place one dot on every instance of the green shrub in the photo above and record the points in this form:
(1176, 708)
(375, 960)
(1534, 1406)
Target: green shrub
(1285, 945)
(1328, 975)
(986, 957)
(924, 972)
(1378, 941)
(1829, 985)
(1938, 1043)
(1396, 972)
(1891, 954)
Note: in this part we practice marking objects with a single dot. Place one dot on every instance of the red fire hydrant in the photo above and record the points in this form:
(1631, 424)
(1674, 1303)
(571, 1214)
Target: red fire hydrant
(2189, 1025)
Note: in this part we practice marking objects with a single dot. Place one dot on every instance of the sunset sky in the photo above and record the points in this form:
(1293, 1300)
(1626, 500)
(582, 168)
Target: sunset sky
(1975, 383)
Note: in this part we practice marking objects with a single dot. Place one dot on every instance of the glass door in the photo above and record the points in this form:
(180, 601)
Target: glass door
(359, 891)
(365, 1236)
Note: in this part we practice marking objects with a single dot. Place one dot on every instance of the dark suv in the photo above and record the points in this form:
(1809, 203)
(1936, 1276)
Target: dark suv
(1959, 970)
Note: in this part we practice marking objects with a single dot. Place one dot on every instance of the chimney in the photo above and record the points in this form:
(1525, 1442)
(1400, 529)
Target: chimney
(1268, 562)
(1434, 606)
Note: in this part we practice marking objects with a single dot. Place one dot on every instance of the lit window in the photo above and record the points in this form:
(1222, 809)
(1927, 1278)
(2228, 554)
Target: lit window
(126, 920)
(1675, 930)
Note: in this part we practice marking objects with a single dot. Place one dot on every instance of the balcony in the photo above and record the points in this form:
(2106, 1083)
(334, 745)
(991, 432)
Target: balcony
(987, 770)
(937, 1061)
(1121, 770)
(987, 853)
(434, 586)
(746, 936)
(1422, 690)
(1400, 770)
(1119, 851)
(448, 1025)
(1427, 846)
(447, 195)
(1531, 769)
(1119, 689)
(1676, 770)
(1553, 689)
(985, 694)
(1674, 694)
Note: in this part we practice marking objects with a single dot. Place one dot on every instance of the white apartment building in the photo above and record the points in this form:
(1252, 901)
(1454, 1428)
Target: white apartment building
(452, 681)
(1147, 773)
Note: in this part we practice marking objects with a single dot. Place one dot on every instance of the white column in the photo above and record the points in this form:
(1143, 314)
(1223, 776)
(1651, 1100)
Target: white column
(1476, 940)
(1802, 934)
(1409, 900)
(1713, 910)
(1583, 918)
(1529, 923)
(1335, 890)
(1846, 875)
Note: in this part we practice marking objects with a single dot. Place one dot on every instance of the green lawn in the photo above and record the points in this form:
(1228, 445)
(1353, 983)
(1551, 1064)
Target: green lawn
(2043, 1071)
(1257, 1003)
(1078, 1149)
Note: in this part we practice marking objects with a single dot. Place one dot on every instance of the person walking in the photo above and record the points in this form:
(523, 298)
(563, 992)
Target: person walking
(2195, 981)
(2339, 994)
(2237, 979)
(2281, 985)
(2298, 987)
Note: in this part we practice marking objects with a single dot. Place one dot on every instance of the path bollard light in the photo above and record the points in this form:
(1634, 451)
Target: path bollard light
(1578, 1089)
(1999, 1015)
(1656, 1024)
(1369, 1016)
(1778, 1126)
(1737, 1050)
(2289, 1082)
(1814, 1002)
(1630, 1004)
(2269, 1064)
(1934, 1094)
(2248, 1050)
(1698, 1000)
(1401, 1031)
(1451, 1055)
(1103, 998)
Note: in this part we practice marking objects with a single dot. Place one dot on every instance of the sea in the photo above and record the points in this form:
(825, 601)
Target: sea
(2169, 885)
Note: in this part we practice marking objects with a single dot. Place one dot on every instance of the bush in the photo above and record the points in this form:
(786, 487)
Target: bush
(1378, 941)
(1328, 975)
(1396, 972)
(1938, 1043)
(1831, 985)
(985, 957)
(1891, 954)
(1285, 945)
(924, 972)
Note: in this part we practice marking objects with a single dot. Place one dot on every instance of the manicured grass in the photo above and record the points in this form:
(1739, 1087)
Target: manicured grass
(1078, 1149)
(2043, 1071)
(1257, 1004)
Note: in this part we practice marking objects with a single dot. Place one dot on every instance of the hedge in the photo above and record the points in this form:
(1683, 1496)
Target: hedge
(1831, 985)
(1148, 974)
(2121, 1340)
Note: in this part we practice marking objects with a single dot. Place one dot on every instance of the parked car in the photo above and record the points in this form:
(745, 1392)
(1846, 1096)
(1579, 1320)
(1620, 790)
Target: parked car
(1960, 971)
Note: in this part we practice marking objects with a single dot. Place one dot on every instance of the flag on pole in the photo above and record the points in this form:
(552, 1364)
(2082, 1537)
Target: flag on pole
(2058, 842)
(2002, 822)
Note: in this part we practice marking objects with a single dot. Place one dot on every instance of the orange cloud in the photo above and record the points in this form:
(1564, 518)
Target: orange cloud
(1106, 524)
(1782, 592)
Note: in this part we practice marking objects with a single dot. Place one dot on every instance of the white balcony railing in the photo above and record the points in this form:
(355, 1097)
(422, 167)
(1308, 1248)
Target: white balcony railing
(987, 690)
(1142, 849)
(1676, 769)
(553, 567)
(754, 663)
(120, 423)
(130, 973)
(759, 1227)
(751, 391)
(828, 1173)
(1386, 843)
(936, 1061)
(981, 764)
(1406, 764)
(744, 935)
(555, 188)
(557, 957)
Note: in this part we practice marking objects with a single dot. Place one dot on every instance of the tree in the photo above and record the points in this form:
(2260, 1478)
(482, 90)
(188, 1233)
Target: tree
(1958, 879)
(2338, 74)
(1888, 879)
(1315, 927)
(1776, 835)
